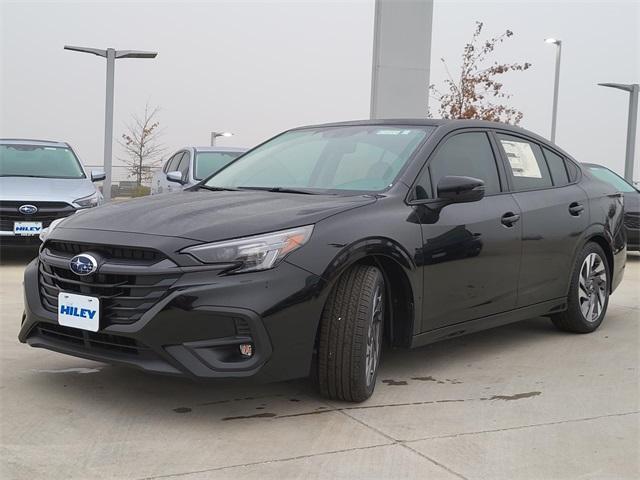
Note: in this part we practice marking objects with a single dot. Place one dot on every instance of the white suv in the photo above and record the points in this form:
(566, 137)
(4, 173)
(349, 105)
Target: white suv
(190, 165)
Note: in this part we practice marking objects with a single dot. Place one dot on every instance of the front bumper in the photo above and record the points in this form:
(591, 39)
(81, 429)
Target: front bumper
(196, 328)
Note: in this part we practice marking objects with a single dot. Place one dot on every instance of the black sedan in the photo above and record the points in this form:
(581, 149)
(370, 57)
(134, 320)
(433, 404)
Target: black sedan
(302, 256)
(631, 202)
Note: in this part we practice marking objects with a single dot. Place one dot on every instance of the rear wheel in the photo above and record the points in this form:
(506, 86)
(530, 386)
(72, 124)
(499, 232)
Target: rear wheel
(351, 335)
(588, 294)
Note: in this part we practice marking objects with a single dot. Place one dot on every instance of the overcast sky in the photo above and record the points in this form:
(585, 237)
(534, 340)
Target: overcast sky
(256, 68)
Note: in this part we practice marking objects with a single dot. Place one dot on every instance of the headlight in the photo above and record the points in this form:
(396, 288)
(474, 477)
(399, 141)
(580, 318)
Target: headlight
(86, 202)
(259, 252)
(44, 233)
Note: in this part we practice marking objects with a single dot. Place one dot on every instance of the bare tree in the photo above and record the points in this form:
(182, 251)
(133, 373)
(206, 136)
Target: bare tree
(478, 93)
(142, 146)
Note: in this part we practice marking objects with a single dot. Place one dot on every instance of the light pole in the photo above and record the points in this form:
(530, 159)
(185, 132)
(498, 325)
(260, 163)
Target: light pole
(111, 55)
(556, 86)
(215, 135)
(632, 123)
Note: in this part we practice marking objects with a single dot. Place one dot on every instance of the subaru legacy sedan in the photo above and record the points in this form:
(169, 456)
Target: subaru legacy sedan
(309, 252)
(41, 181)
(190, 165)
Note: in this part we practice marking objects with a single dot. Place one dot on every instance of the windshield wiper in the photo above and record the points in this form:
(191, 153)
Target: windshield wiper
(218, 189)
(280, 190)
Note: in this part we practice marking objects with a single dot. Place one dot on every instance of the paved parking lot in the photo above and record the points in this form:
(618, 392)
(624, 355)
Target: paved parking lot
(518, 402)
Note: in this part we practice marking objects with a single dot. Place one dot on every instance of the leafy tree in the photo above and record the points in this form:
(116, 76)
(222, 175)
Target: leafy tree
(478, 93)
(141, 144)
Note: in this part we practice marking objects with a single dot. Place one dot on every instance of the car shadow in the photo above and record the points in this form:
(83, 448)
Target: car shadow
(128, 391)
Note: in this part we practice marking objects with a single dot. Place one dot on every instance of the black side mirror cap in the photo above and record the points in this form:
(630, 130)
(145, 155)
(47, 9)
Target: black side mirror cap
(455, 189)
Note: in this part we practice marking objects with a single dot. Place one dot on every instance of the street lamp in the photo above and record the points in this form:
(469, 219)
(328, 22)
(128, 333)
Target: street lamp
(215, 135)
(633, 89)
(556, 86)
(111, 55)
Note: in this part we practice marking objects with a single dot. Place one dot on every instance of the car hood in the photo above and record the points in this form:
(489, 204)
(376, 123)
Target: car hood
(38, 189)
(210, 216)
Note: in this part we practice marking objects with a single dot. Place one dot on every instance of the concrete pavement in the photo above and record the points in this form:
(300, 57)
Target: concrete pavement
(517, 402)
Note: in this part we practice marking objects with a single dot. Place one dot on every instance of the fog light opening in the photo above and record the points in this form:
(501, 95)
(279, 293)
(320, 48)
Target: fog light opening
(246, 350)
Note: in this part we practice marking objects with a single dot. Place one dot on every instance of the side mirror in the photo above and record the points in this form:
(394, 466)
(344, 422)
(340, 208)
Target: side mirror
(460, 189)
(98, 175)
(175, 177)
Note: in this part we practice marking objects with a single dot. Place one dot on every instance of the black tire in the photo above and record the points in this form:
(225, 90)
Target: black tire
(573, 319)
(353, 309)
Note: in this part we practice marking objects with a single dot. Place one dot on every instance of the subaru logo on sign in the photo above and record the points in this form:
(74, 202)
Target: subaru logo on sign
(28, 209)
(83, 264)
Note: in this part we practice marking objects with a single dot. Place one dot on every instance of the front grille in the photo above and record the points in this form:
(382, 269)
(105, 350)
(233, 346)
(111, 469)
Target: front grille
(632, 220)
(90, 340)
(66, 249)
(124, 298)
(47, 212)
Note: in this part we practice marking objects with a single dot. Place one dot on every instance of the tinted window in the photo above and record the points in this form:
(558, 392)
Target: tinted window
(37, 161)
(612, 179)
(572, 169)
(556, 166)
(183, 166)
(357, 158)
(172, 164)
(528, 167)
(210, 162)
(467, 155)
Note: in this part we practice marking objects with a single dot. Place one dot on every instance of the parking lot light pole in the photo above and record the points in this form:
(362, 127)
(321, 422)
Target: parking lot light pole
(632, 124)
(111, 55)
(556, 86)
(215, 135)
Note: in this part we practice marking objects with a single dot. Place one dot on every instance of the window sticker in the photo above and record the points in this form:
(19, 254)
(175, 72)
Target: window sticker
(522, 159)
(389, 132)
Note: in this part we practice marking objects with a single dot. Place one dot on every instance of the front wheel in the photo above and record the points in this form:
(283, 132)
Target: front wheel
(351, 335)
(588, 293)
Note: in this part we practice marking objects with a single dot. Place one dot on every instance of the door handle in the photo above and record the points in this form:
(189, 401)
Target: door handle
(509, 218)
(576, 209)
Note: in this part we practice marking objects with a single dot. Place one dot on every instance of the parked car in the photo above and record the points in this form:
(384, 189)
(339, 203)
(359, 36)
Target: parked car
(631, 202)
(300, 256)
(41, 181)
(189, 165)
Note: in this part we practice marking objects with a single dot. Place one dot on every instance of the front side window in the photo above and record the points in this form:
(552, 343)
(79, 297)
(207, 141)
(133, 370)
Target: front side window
(611, 178)
(39, 161)
(528, 166)
(362, 158)
(466, 155)
(208, 163)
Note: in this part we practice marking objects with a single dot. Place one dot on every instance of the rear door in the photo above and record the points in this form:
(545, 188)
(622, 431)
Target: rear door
(554, 216)
(470, 254)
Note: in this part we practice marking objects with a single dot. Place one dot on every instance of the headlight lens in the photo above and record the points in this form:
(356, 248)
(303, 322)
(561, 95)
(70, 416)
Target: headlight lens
(259, 252)
(89, 201)
(44, 233)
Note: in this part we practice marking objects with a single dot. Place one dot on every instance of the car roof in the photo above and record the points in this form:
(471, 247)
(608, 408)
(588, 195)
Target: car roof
(220, 149)
(29, 141)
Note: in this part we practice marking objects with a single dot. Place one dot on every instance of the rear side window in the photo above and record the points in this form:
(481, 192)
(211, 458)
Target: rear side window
(527, 164)
(556, 166)
(172, 164)
(467, 155)
(572, 170)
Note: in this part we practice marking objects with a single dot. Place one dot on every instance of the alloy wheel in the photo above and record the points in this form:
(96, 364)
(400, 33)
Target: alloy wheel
(592, 287)
(374, 336)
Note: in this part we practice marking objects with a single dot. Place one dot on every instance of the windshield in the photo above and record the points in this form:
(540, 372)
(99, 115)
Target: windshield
(353, 158)
(611, 178)
(208, 163)
(38, 161)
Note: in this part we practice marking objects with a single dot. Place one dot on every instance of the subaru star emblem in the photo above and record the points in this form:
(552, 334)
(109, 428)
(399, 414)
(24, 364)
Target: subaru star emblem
(83, 264)
(28, 209)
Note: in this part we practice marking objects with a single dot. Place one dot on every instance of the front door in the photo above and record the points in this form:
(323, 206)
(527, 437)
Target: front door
(471, 251)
